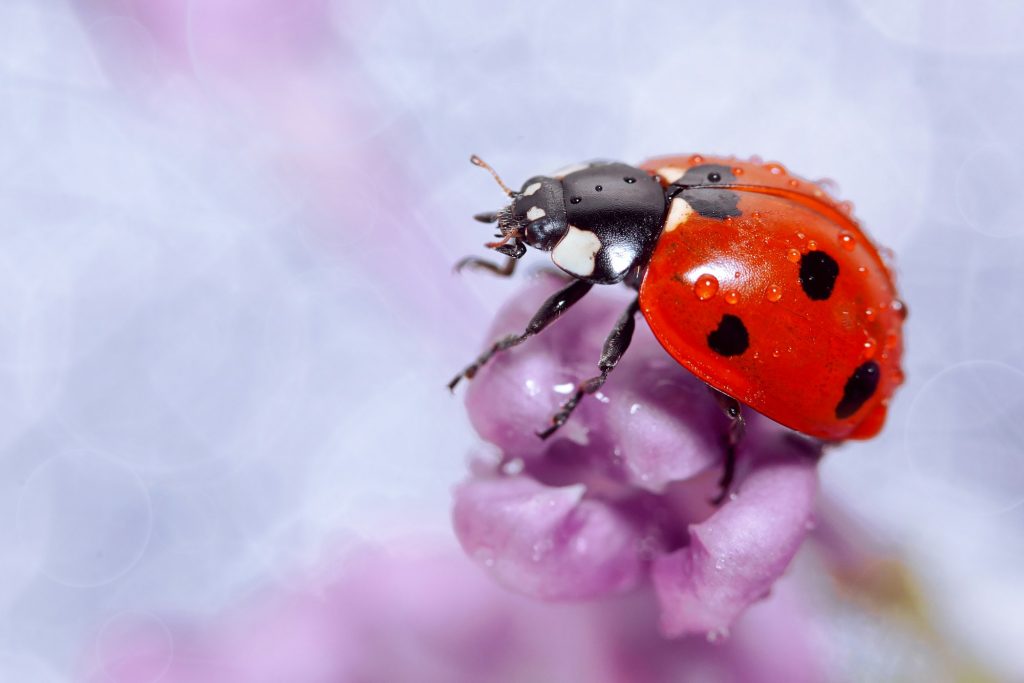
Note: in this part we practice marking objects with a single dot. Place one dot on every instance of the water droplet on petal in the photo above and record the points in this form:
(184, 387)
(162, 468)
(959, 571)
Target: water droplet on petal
(705, 287)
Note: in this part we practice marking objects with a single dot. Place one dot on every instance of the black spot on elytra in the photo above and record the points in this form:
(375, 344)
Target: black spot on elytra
(730, 338)
(818, 273)
(859, 388)
(697, 187)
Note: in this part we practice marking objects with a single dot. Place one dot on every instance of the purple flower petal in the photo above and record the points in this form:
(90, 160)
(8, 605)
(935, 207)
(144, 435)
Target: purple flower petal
(733, 557)
(652, 419)
(547, 542)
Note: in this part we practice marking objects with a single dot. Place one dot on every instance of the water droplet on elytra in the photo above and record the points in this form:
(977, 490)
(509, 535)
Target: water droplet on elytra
(812, 245)
(773, 293)
(869, 347)
(732, 296)
(794, 182)
(706, 286)
(847, 241)
(899, 308)
(870, 313)
(793, 255)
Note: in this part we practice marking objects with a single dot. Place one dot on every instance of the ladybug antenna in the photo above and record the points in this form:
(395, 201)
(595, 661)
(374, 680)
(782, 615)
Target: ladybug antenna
(477, 161)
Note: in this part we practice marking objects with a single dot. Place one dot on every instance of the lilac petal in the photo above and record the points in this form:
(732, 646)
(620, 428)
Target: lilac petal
(652, 419)
(547, 542)
(662, 418)
(735, 555)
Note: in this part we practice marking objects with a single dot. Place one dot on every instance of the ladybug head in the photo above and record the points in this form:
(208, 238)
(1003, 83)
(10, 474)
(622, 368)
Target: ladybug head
(535, 217)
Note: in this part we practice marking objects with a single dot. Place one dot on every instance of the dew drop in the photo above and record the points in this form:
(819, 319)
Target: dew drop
(773, 293)
(800, 236)
(696, 159)
(775, 353)
(812, 245)
(775, 169)
(846, 207)
(869, 347)
(794, 182)
(870, 314)
(899, 308)
(861, 269)
(890, 340)
(793, 255)
(732, 296)
(706, 286)
(847, 241)
(598, 188)
(737, 171)
(736, 275)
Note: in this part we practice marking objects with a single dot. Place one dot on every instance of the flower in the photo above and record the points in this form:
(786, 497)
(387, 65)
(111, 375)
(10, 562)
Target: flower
(619, 498)
(424, 614)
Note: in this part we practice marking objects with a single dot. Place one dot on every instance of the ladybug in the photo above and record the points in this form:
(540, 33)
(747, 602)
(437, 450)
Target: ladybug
(753, 279)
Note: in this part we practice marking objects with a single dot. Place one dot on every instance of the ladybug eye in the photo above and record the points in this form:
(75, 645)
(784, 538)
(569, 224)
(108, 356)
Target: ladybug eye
(714, 177)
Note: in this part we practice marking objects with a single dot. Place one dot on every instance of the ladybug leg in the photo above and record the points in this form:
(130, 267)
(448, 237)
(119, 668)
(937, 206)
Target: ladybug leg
(556, 304)
(732, 409)
(614, 346)
(483, 264)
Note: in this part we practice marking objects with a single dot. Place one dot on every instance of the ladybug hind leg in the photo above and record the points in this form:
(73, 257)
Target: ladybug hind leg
(615, 346)
(556, 304)
(733, 436)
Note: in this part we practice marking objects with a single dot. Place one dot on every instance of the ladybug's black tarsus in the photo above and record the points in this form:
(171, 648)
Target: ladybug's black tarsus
(486, 217)
(737, 426)
(615, 346)
(556, 304)
(490, 266)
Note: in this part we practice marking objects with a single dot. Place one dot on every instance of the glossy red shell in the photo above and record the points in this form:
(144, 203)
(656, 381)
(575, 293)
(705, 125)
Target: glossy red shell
(801, 352)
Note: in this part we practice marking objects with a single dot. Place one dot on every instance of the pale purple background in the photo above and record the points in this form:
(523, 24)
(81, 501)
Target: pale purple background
(226, 313)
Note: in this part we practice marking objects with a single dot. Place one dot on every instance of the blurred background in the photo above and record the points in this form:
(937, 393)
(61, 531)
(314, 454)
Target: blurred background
(227, 312)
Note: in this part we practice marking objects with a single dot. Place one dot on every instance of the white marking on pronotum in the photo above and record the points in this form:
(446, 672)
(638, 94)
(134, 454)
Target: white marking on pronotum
(534, 213)
(530, 189)
(566, 170)
(678, 213)
(670, 173)
(620, 257)
(575, 253)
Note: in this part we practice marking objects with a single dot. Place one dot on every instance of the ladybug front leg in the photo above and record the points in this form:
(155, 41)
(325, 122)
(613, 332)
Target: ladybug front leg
(490, 266)
(614, 346)
(556, 304)
(732, 409)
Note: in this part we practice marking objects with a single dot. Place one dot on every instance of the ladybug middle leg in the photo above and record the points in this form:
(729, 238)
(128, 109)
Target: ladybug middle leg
(615, 346)
(732, 409)
(556, 304)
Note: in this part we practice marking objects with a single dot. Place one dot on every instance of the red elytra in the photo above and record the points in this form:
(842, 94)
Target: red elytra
(800, 351)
